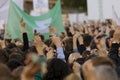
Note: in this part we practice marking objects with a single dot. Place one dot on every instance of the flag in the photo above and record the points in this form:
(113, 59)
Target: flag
(40, 23)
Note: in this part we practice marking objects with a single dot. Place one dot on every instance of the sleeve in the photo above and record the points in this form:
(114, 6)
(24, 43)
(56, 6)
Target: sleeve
(25, 42)
(113, 53)
(60, 54)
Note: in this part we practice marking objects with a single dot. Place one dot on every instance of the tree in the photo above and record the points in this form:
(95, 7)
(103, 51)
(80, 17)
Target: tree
(75, 4)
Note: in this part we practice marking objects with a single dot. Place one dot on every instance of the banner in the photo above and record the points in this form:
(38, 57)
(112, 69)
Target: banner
(41, 23)
(100, 9)
(116, 17)
(39, 4)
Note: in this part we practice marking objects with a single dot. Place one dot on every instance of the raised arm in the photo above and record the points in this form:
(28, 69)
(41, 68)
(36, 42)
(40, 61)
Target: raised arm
(24, 34)
(60, 53)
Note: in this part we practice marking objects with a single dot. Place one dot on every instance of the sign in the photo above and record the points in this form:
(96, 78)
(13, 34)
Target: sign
(38, 4)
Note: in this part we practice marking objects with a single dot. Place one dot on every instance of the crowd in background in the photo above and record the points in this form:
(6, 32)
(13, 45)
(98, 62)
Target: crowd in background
(85, 51)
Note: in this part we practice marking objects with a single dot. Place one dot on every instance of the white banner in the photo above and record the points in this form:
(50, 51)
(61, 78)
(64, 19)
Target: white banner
(100, 9)
(93, 9)
(72, 18)
(116, 15)
(1, 24)
(39, 4)
(107, 9)
(77, 17)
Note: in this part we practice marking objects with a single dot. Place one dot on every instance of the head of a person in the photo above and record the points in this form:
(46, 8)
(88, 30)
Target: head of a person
(4, 56)
(16, 59)
(16, 56)
(57, 70)
(101, 68)
(73, 57)
(87, 40)
(101, 41)
(5, 73)
(16, 50)
(14, 63)
(11, 45)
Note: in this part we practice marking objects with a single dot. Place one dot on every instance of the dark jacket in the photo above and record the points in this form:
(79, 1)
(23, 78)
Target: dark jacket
(113, 54)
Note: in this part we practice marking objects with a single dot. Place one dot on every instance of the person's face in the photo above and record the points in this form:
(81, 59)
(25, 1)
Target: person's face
(88, 71)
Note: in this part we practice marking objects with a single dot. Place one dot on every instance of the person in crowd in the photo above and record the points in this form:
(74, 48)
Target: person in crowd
(99, 68)
(85, 51)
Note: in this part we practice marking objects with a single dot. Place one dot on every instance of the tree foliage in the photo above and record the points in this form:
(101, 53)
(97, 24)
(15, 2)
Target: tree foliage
(76, 4)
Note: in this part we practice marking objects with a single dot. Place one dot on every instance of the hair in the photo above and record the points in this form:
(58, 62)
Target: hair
(111, 33)
(72, 77)
(16, 56)
(69, 34)
(102, 68)
(101, 36)
(98, 61)
(42, 37)
(13, 64)
(16, 50)
(17, 73)
(32, 49)
(87, 40)
(57, 70)
(104, 72)
(11, 45)
(5, 73)
(48, 42)
(93, 45)
(80, 61)
(68, 47)
(4, 56)
(85, 54)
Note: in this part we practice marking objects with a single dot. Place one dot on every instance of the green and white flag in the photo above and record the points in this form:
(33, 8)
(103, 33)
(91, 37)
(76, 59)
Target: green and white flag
(40, 23)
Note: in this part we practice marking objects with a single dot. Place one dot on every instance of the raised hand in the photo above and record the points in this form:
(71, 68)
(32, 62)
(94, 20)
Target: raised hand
(22, 22)
(50, 54)
(29, 71)
(22, 25)
(116, 36)
(39, 45)
(56, 41)
(9, 36)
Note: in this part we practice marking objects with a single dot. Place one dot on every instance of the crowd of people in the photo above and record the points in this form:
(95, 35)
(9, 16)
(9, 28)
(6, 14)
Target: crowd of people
(84, 51)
